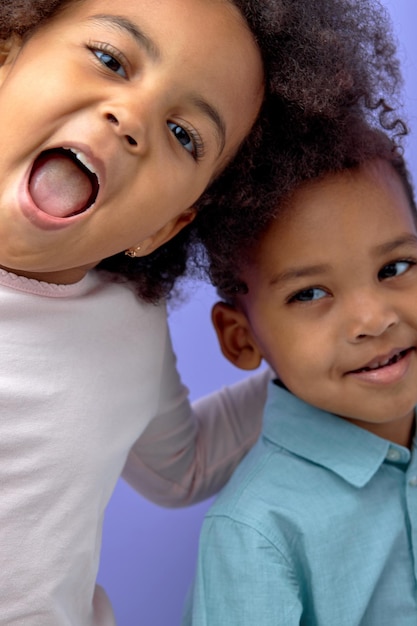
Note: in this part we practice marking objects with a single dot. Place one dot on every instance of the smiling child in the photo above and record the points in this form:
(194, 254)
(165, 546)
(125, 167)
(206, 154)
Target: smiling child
(317, 525)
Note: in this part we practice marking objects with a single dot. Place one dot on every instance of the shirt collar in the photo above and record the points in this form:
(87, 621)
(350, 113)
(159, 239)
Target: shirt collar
(351, 452)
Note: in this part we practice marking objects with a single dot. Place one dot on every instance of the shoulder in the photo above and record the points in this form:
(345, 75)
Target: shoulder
(270, 492)
(255, 495)
(121, 301)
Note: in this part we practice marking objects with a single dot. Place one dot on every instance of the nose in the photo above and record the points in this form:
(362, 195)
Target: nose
(370, 315)
(130, 126)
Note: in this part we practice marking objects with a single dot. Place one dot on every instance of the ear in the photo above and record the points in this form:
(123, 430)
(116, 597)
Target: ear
(167, 232)
(9, 49)
(235, 336)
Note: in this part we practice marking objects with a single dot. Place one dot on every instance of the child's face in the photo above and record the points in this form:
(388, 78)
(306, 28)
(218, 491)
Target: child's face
(332, 302)
(156, 96)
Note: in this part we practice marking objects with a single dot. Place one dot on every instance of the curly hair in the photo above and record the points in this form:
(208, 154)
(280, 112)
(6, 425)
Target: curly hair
(358, 122)
(227, 249)
(321, 59)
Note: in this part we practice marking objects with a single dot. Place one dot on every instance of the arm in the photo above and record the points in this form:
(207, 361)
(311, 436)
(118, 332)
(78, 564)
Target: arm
(188, 453)
(242, 579)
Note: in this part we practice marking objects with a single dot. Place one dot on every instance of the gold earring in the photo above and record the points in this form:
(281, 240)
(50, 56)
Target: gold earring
(132, 252)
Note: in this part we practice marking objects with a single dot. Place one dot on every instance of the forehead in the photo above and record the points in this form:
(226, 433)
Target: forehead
(340, 215)
(373, 191)
(174, 27)
(164, 15)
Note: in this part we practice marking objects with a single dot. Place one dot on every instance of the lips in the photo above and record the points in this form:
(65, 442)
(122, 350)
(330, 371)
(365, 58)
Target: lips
(63, 182)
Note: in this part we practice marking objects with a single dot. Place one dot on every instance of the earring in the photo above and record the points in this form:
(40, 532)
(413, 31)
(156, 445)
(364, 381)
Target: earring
(132, 252)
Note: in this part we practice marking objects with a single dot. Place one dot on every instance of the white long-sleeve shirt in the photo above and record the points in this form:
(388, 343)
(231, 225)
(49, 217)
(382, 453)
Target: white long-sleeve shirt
(84, 370)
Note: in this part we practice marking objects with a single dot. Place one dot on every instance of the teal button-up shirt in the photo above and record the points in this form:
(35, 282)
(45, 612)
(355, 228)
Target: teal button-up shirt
(318, 526)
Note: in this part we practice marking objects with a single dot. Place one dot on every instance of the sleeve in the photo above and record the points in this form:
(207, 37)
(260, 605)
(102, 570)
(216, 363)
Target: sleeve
(242, 579)
(187, 453)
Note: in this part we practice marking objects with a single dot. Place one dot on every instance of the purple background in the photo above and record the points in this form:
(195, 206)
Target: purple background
(148, 552)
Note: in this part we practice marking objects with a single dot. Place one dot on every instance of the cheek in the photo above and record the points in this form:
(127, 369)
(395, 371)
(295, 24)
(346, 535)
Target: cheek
(300, 360)
(293, 369)
(283, 353)
(298, 350)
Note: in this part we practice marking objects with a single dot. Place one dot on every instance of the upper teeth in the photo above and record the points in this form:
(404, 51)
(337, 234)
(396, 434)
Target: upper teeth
(84, 160)
(392, 359)
(374, 367)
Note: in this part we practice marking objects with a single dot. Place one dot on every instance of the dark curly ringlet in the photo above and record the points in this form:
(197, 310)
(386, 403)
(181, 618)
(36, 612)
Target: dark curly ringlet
(328, 63)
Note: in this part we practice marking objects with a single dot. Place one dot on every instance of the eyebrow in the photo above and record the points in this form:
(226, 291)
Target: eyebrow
(391, 246)
(293, 273)
(309, 271)
(122, 23)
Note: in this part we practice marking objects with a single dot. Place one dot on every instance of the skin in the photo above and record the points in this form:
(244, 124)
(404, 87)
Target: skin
(332, 297)
(138, 97)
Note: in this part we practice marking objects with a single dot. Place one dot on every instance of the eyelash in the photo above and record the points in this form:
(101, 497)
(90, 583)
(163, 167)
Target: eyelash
(198, 145)
(295, 297)
(409, 262)
(113, 54)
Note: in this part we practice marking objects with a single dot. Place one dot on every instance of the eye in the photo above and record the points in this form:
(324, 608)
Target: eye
(307, 295)
(189, 139)
(110, 58)
(394, 269)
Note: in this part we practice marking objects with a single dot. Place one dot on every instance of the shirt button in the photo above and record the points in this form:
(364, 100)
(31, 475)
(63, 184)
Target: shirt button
(413, 481)
(393, 454)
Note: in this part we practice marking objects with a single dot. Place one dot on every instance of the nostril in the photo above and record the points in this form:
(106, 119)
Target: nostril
(113, 120)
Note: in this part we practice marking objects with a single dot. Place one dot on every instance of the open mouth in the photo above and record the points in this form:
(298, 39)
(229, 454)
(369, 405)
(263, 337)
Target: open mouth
(63, 183)
(385, 363)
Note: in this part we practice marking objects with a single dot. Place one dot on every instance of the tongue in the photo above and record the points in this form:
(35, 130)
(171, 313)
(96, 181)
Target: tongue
(58, 186)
